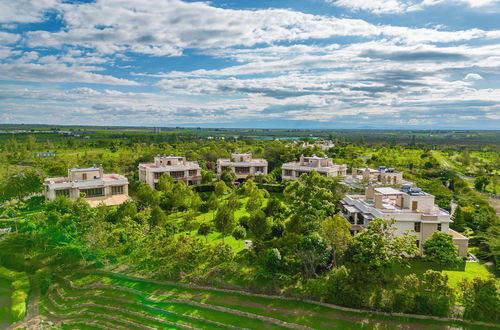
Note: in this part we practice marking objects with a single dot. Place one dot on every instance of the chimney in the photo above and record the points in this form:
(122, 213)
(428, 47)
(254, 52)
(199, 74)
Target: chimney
(366, 174)
(369, 192)
(378, 201)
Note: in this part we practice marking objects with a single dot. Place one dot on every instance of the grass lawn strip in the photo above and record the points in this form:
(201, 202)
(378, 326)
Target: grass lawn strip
(252, 320)
(289, 303)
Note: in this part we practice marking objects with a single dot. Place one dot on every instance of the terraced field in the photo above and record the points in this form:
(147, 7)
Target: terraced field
(5, 292)
(106, 300)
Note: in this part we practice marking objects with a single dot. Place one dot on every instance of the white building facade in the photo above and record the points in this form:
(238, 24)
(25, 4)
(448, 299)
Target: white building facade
(90, 183)
(242, 165)
(323, 165)
(177, 167)
(412, 209)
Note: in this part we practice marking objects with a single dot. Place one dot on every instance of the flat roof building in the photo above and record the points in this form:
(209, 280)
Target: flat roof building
(323, 165)
(242, 165)
(90, 183)
(176, 166)
(382, 175)
(412, 208)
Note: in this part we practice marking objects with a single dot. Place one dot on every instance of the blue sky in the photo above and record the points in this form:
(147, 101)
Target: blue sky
(417, 64)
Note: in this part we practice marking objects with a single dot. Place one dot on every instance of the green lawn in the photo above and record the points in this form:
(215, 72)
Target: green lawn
(472, 270)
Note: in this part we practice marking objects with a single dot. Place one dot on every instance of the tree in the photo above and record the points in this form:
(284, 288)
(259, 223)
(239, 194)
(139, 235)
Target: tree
(458, 218)
(224, 220)
(312, 253)
(440, 248)
(249, 187)
(239, 233)
(228, 177)
(158, 217)
(311, 199)
(255, 200)
(204, 230)
(377, 247)
(213, 204)
(336, 232)
(272, 260)
(220, 188)
(435, 297)
(480, 299)
(20, 185)
(146, 196)
(165, 183)
(274, 208)
(481, 182)
(259, 225)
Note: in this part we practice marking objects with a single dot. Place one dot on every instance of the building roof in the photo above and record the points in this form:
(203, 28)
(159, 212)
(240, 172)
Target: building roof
(389, 191)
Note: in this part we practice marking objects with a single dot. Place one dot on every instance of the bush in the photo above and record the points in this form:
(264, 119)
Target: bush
(18, 308)
(21, 284)
(277, 188)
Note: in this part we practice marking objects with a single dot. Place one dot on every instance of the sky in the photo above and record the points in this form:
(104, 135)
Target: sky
(406, 64)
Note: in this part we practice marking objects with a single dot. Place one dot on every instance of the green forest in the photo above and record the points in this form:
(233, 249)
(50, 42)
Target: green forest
(76, 259)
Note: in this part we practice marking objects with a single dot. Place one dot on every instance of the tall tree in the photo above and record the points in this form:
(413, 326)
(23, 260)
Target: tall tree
(336, 232)
(224, 220)
(439, 248)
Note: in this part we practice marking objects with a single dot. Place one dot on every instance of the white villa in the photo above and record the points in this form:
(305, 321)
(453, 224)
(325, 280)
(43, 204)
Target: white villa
(90, 183)
(322, 165)
(381, 175)
(177, 167)
(242, 165)
(412, 209)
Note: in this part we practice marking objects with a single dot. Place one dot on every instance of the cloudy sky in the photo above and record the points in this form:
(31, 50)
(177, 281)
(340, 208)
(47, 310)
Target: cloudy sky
(234, 63)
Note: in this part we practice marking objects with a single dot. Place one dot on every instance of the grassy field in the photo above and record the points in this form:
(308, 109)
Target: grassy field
(471, 271)
(107, 300)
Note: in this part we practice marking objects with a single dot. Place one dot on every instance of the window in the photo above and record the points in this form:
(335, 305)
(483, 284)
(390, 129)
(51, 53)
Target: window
(242, 170)
(417, 227)
(157, 175)
(84, 176)
(414, 205)
(116, 190)
(288, 172)
(177, 174)
(62, 192)
(94, 192)
(193, 172)
(439, 226)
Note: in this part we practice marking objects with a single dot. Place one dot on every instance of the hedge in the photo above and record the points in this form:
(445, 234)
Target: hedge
(277, 188)
(21, 285)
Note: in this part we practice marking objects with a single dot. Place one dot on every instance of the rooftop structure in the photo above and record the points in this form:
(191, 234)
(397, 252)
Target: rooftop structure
(177, 167)
(412, 208)
(90, 183)
(323, 165)
(46, 154)
(242, 164)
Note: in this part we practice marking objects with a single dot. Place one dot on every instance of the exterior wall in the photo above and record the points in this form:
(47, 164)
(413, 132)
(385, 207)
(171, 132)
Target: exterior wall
(242, 169)
(170, 165)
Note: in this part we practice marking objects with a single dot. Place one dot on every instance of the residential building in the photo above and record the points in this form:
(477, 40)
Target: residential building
(90, 183)
(177, 167)
(242, 165)
(413, 209)
(45, 154)
(323, 165)
(324, 145)
(382, 175)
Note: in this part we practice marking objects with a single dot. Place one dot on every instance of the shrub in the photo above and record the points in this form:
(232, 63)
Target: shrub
(18, 308)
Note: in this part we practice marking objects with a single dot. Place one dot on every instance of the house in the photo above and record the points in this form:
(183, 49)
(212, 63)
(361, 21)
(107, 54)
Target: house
(323, 165)
(413, 209)
(45, 154)
(177, 167)
(90, 183)
(242, 164)
(382, 175)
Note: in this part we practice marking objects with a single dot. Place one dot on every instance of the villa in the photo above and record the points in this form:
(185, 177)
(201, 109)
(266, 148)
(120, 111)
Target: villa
(382, 175)
(242, 165)
(413, 209)
(177, 167)
(323, 165)
(90, 183)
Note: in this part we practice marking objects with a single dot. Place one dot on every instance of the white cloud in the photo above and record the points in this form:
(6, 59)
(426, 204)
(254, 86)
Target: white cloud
(24, 11)
(404, 6)
(473, 76)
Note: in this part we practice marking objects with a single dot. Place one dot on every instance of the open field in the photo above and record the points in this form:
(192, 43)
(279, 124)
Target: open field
(107, 300)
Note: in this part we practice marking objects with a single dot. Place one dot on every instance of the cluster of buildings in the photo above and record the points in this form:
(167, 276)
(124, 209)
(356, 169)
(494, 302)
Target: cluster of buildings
(413, 209)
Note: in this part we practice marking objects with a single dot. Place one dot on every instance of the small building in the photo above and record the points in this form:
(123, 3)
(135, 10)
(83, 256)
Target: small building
(45, 154)
(90, 183)
(156, 130)
(412, 208)
(382, 175)
(177, 167)
(242, 165)
(323, 165)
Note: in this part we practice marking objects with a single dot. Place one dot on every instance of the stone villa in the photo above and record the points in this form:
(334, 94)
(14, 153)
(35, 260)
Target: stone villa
(412, 209)
(177, 167)
(90, 183)
(242, 165)
(382, 175)
(322, 165)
